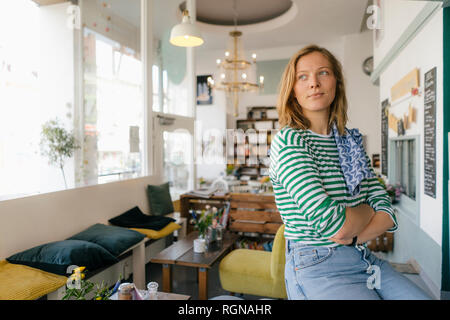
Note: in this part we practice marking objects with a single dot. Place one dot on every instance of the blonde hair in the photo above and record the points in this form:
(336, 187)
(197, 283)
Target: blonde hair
(289, 110)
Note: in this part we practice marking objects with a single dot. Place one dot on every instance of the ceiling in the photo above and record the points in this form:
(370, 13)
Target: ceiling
(315, 21)
(220, 12)
(298, 21)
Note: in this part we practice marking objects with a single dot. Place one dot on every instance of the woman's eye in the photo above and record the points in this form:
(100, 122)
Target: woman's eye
(324, 72)
(302, 77)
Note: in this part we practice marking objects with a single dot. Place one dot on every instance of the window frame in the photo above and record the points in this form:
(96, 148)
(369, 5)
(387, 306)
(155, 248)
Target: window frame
(406, 205)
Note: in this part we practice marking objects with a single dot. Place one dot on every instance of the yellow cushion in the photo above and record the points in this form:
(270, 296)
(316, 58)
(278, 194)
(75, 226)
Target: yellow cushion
(153, 234)
(19, 282)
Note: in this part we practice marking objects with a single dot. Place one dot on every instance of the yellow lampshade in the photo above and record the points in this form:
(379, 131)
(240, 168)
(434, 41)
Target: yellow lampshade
(186, 34)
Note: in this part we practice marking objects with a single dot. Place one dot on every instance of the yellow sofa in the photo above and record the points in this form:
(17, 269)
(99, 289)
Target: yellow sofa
(256, 272)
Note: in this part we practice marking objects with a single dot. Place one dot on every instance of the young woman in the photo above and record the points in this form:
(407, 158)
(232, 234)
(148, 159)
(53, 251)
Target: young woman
(326, 192)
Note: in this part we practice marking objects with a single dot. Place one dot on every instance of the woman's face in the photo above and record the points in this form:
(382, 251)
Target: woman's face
(315, 83)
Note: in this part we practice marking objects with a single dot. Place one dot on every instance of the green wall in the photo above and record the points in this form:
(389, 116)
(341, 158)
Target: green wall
(272, 71)
(445, 285)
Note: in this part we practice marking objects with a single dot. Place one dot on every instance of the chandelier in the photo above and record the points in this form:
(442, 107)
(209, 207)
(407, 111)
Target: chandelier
(236, 74)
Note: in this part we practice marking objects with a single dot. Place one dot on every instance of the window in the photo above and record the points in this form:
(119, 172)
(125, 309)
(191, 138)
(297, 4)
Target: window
(404, 170)
(113, 110)
(36, 85)
(87, 75)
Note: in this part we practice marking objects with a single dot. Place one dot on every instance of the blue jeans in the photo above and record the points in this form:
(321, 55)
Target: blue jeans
(343, 273)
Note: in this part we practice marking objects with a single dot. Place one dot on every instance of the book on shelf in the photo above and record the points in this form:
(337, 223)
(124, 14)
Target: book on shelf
(203, 192)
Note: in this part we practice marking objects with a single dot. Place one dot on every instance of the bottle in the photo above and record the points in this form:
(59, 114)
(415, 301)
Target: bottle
(152, 288)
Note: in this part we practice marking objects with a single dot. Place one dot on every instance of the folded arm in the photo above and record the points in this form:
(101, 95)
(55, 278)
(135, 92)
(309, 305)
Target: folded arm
(357, 219)
(384, 219)
(380, 223)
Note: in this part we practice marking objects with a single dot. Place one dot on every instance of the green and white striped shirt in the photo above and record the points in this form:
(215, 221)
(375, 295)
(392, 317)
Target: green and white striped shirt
(310, 190)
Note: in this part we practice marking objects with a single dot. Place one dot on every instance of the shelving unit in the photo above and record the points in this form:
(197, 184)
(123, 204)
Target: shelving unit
(252, 154)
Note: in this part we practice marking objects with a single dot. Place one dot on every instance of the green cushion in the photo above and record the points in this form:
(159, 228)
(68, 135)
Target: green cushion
(159, 199)
(114, 239)
(56, 257)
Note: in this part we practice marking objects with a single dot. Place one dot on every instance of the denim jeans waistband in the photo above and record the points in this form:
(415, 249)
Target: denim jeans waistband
(291, 244)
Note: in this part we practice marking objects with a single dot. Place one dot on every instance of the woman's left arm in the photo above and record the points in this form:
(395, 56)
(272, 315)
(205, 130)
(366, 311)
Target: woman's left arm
(380, 201)
(379, 224)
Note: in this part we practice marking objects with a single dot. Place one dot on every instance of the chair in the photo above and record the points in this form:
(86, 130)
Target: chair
(256, 272)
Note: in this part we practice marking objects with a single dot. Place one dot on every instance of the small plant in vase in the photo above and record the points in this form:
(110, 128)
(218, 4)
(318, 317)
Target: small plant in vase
(202, 221)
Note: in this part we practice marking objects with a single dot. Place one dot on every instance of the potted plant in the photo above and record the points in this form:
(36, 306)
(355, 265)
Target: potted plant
(395, 192)
(77, 288)
(57, 144)
(201, 223)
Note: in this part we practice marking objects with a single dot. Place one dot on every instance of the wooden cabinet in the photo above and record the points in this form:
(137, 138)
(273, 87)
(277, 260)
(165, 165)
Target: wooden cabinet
(254, 213)
(249, 213)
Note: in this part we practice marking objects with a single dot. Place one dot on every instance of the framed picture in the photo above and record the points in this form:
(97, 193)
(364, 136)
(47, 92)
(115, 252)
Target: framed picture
(204, 92)
(376, 160)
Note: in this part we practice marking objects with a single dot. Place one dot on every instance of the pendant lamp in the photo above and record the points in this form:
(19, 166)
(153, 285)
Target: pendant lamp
(186, 34)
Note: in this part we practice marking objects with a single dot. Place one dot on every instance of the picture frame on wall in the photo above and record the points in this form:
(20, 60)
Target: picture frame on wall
(376, 160)
(204, 91)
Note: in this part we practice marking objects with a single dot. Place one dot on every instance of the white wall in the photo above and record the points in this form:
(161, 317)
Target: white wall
(422, 241)
(396, 15)
(424, 53)
(362, 95)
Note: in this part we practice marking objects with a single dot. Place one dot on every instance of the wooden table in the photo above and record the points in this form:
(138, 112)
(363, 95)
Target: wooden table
(182, 253)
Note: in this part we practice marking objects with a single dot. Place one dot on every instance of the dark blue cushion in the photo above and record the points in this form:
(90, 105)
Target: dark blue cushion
(56, 257)
(114, 239)
(135, 218)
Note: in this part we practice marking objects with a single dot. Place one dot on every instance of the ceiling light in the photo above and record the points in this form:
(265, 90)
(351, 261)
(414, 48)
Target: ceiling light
(186, 34)
(238, 72)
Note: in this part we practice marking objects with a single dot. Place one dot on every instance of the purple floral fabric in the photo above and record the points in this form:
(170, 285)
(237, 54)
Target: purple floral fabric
(352, 158)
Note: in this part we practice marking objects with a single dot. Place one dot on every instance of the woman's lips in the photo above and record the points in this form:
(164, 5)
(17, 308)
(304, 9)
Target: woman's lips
(316, 95)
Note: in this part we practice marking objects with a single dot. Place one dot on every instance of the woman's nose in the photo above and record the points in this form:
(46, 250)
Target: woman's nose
(314, 82)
